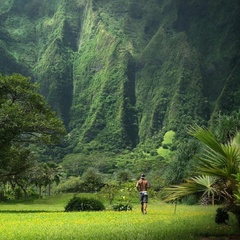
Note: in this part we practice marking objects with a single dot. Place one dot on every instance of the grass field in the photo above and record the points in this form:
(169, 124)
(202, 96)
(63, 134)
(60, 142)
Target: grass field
(46, 219)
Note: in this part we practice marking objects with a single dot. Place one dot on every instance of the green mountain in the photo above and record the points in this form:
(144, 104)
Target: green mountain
(123, 72)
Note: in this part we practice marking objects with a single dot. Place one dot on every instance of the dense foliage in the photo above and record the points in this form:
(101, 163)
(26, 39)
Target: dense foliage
(26, 120)
(126, 77)
(122, 73)
(217, 173)
(84, 204)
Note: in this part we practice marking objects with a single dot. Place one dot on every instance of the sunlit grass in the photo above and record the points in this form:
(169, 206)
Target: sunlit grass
(49, 221)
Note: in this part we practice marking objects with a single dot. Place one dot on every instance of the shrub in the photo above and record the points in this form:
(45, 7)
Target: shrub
(221, 216)
(84, 204)
(122, 207)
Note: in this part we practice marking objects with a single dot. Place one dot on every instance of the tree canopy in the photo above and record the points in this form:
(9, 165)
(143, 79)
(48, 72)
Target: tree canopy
(25, 118)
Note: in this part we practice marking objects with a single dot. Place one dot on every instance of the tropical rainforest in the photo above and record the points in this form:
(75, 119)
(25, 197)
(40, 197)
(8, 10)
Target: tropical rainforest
(127, 78)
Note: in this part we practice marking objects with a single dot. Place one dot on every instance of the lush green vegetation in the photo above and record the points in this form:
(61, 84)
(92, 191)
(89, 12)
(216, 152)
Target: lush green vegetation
(46, 218)
(217, 173)
(84, 204)
(26, 122)
(121, 74)
(127, 79)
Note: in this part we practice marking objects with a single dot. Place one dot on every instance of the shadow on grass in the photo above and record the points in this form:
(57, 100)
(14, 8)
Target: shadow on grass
(28, 211)
(226, 237)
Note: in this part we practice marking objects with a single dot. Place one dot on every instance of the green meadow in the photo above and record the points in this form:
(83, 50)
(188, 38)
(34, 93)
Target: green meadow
(46, 219)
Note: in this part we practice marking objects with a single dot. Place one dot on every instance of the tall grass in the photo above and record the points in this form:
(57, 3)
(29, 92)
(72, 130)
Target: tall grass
(47, 220)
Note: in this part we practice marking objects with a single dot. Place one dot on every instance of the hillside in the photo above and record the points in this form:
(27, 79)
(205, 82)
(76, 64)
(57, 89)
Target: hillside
(122, 73)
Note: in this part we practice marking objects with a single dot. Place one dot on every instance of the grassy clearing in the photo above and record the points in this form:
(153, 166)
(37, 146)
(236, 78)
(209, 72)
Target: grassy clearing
(46, 220)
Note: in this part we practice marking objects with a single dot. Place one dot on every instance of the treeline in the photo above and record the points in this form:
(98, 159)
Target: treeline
(29, 129)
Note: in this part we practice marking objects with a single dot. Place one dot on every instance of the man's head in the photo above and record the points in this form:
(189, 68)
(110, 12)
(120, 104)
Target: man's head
(142, 176)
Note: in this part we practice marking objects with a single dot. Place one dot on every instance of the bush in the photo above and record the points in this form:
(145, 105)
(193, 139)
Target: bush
(84, 204)
(221, 216)
(122, 207)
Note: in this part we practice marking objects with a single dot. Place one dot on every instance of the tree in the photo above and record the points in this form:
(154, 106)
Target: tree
(110, 190)
(218, 167)
(46, 174)
(226, 126)
(124, 176)
(52, 172)
(92, 180)
(25, 118)
(180, 166)
(23, 180)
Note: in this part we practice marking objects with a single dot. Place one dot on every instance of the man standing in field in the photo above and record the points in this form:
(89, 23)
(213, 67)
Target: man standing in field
(142, 187)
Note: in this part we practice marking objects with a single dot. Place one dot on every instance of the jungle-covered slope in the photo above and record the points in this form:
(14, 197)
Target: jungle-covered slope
(124, 72)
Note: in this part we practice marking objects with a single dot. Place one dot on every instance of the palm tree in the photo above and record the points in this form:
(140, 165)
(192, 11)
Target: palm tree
(217, 166)
(53, 173)
(226, 126)
(48, 173)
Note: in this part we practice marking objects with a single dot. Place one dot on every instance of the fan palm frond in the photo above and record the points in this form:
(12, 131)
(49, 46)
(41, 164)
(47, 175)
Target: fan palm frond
(206, 137)
(204, 184)
(221, 160)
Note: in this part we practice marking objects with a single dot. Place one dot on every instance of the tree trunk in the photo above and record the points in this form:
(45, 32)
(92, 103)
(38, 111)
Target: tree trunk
(40, 190)
(213, 200)
(49, 189)
(24, 190)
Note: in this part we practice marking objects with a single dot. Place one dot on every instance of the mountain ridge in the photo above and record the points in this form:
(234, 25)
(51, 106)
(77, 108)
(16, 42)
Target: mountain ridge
(125, 72)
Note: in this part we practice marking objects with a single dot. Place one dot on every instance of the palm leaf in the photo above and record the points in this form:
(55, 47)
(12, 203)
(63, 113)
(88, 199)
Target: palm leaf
(207, 138)
(204, 184)
(212, 163)
(221, 160)
(216, 161)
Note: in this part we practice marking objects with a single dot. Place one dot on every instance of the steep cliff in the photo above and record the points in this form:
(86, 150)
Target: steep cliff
(122, 72)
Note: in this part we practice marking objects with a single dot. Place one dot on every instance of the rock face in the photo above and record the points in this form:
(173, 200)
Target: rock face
(122, 72)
